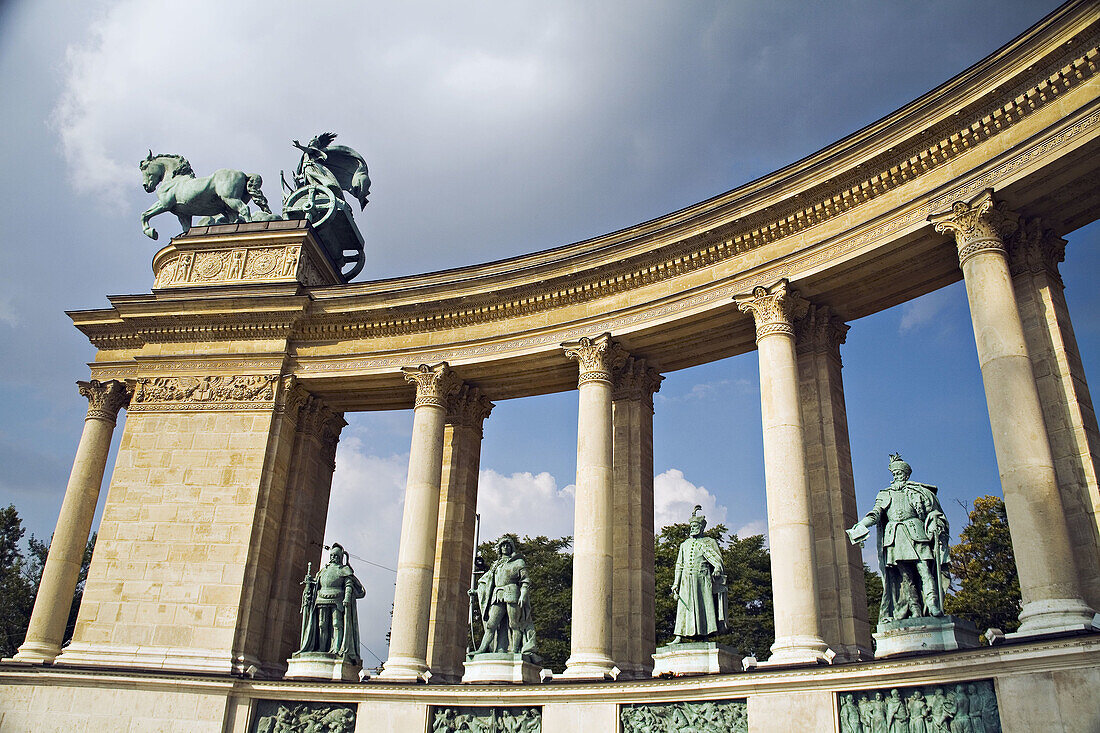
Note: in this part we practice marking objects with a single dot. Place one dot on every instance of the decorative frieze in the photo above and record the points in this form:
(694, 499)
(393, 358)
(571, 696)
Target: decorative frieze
(105, 399)
(434, 384)
(596, 357)
(978, 225)
(283, 716)
(204, 392)
(636, 380)
(468, 719)
(710, 716)
(945, 708)
(773, 308)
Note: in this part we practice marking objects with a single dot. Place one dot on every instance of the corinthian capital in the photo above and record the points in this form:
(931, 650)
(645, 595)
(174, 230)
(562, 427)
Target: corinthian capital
(434, 384)
(469, 408)
(105, 399)
(978, 225)
(821, 331)
(1032, 248)
(774, 309)
(597, 357)
(636, 380)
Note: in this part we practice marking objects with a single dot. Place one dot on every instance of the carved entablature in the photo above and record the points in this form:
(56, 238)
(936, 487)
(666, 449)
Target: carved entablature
(105, 399)
(775, 308)
(1035, 249)
(636, 380)
(255, 255)
(435, 384)
(469, 407)
(204, 393)
(596, 357)
(820, 331)
(978, 225)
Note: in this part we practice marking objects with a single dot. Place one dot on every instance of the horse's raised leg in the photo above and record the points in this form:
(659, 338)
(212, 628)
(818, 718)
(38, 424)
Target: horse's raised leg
(185, 222)
(158, 208)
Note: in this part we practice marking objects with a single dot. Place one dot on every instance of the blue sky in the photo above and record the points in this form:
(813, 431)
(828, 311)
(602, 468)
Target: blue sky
(490, 130)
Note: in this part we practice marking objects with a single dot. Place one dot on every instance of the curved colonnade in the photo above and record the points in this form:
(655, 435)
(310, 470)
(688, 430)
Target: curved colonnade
(977, 180)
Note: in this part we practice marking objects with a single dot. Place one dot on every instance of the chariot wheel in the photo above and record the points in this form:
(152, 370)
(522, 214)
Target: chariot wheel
(357, 259)
(313, 203)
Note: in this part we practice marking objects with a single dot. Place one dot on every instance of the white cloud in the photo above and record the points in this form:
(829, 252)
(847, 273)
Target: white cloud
(524, 503)
(674, 497)
(756, 526)
(924, 310)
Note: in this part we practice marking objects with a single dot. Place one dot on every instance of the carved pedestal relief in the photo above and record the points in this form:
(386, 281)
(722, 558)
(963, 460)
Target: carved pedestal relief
(466, 719)
(945, 708)
(710, 716)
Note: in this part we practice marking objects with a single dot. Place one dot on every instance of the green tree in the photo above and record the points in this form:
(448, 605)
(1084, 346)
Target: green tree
(751, 627)
(16, 588)
(550, 566)
(873, 583)
(985, 587)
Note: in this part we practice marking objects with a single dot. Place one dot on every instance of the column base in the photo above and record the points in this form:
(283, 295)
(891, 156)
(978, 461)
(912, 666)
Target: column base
(924, 635)
(695, 657)
(177, 659)
(588, 666)
(314, 666)
(36, 652)
(789, 650)
(405, 669)
(502, 667)
(1056, 616)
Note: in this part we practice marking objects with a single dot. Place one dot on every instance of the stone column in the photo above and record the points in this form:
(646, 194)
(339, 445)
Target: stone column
(790, 533)
(448, 621)
(416, 556)
(842, 595)
(632, 617)
(1052, 596)
(1033, 256)
(591, 642)
(62, 569)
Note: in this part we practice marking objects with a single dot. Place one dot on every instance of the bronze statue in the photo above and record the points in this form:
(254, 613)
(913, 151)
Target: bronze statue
(330, 624)
(699, 586)
(503, 600)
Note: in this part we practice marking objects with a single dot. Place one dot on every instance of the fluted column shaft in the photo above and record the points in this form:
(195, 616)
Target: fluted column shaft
(62, 570)
(1052, 597)
(790, 532)
(416, 555)
(590, 648)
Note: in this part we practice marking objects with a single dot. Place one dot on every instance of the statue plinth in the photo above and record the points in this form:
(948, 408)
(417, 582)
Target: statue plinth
(259, 252)
(924, 635)
(319, 666)
(499, 668)
(695, 657)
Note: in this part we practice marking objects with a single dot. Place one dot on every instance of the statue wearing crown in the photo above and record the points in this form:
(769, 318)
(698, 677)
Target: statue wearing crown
(912, 545)
(330, 623)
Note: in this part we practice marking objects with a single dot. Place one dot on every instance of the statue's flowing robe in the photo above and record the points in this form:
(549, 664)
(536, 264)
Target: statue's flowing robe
(904, 516)
(519, 619)
(700, 609)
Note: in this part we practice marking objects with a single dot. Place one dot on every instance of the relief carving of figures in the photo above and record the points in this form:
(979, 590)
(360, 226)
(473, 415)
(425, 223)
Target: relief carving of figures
(697, 717)
(699, 584)
(486, 720)
(912, 543)
(503, 595)
(959, 708)
(303, 718)
(330, 623)
(205, 389)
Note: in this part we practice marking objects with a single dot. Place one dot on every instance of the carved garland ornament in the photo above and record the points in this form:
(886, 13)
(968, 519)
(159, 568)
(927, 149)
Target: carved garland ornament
(774, 309)
(434, 384)
(105, 399)
(222, 392)
(596, 357)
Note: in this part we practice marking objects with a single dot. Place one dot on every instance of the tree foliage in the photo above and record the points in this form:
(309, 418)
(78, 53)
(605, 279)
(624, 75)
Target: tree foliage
(550, 566)
(872, 581)
(751, 626)
(19, 578)
(985, 586)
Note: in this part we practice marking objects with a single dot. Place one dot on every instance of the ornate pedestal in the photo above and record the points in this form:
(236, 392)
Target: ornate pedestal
(501, 667)
(316, 666)
(924, 635)
(694, 657)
